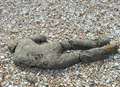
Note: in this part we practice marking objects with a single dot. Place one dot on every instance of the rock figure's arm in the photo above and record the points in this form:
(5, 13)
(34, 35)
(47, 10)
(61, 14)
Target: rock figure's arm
(86, 56)
(83, 44)
(39, 39)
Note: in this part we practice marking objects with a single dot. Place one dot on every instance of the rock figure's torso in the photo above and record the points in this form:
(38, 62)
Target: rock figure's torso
(47, 54)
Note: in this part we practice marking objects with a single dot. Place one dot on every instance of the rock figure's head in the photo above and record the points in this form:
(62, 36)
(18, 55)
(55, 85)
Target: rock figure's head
(12, 45)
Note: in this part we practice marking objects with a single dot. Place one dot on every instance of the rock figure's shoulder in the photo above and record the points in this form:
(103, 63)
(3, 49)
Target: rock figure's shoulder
(12, 44)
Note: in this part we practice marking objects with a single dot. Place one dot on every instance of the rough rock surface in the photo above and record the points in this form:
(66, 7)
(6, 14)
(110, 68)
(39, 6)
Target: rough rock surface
(59, 20)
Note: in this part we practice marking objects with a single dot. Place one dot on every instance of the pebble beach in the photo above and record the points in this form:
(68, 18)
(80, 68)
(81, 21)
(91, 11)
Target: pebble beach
(59, 20)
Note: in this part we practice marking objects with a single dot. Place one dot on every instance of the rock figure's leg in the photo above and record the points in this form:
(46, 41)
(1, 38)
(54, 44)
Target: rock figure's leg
(95, 54)
(39, 39)
(83, 44)
(68, 58)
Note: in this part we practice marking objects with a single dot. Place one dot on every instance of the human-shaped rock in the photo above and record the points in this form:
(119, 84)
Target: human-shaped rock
(38, 52)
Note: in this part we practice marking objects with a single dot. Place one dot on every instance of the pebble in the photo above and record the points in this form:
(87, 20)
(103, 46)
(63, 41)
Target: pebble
(2, 57)
(5, 84)
(1, 77)
(7, 77)
(119, 50)
(116, 66)
(117, 56)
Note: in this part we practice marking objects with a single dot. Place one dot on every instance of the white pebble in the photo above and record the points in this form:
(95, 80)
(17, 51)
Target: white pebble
(118, 50)
(2, 57)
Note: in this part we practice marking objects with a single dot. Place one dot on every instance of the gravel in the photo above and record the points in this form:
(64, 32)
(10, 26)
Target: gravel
(59, 20)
